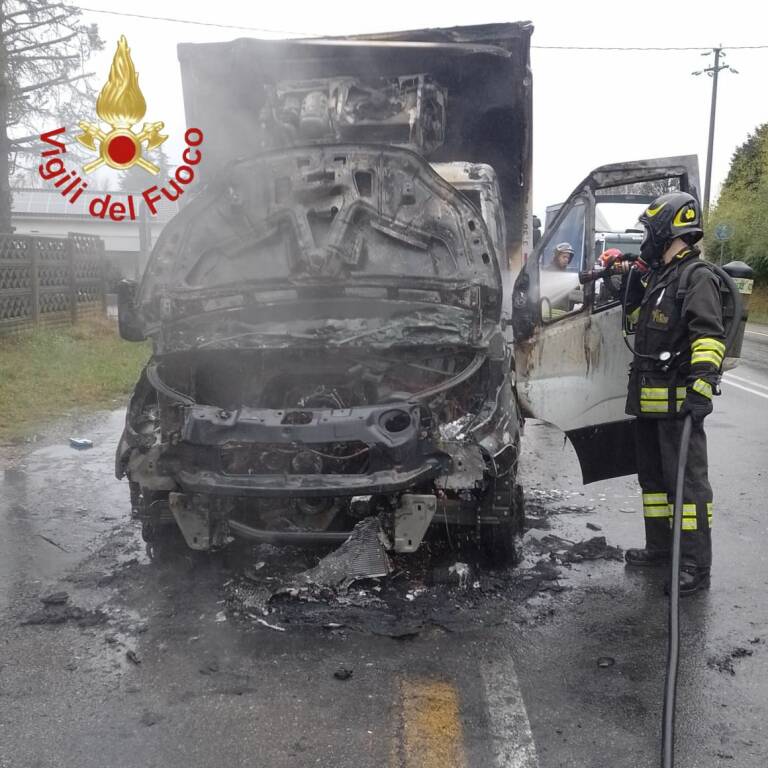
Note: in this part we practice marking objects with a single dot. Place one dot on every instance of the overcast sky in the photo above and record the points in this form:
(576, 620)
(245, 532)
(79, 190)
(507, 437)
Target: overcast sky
(590, 108)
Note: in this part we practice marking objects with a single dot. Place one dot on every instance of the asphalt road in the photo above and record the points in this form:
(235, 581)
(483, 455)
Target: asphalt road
(148, 666)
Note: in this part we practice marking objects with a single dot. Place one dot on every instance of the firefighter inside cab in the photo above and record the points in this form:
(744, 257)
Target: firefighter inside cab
(673, 300)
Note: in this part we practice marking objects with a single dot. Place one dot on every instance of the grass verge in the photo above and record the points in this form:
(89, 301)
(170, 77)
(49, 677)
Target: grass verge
(46, 374)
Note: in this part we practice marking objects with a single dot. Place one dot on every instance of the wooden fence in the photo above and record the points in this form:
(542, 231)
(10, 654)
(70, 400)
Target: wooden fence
(50, 281)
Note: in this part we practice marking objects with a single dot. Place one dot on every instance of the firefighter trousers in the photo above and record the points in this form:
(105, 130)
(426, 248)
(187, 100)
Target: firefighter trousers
(658, 446)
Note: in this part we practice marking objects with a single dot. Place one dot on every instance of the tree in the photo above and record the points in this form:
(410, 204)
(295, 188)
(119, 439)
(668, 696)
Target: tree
(136, 179)
(743, 203)
(746, 168)
(43, 49)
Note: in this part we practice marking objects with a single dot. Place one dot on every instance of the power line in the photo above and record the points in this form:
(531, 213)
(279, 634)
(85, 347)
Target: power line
(196, 23)
(296, 33)
(644, 48)
(617, 48)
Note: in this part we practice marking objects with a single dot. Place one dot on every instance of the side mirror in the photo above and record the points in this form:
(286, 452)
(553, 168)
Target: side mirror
(129, 323)
(545, 309)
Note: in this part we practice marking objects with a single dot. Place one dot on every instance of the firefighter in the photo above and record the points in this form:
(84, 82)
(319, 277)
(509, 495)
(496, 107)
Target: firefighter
(561, 258)
(679, 349)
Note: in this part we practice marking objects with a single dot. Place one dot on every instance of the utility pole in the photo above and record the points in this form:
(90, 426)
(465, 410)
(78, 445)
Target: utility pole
(713, 72)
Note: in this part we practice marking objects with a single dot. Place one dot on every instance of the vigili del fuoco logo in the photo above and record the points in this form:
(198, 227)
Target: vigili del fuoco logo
(120, 105)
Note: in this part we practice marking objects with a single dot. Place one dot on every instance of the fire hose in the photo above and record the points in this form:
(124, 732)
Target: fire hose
(673, 640)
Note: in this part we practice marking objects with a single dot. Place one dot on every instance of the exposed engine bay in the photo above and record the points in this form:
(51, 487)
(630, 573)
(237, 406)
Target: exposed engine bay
(290, 443)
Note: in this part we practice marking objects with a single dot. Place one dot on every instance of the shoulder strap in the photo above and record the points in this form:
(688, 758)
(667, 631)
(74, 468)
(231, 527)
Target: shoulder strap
(685, 276)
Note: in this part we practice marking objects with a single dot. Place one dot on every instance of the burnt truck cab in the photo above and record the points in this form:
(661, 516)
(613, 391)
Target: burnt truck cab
(328, 314)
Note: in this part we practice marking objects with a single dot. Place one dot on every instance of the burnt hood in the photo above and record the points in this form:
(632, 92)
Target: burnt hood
(335, 220)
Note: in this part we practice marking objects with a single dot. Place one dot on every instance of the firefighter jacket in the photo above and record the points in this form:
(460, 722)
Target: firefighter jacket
(682, 317)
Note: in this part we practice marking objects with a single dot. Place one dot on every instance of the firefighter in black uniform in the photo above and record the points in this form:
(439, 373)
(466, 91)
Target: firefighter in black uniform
(679, 349)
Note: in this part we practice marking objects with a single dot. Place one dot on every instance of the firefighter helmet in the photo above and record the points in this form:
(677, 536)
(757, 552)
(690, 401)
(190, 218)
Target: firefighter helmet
(675, 214)
(564, 248)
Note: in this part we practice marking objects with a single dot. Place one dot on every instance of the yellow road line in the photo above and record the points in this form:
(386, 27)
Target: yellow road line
(429, 732)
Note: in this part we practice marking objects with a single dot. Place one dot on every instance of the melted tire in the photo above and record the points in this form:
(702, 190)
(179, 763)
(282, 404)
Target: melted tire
(499, 542)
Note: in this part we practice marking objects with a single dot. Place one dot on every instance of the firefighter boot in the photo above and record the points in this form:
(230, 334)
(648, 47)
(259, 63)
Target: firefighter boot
(692, 579)
(658, 540)
(647, 558)
(695, 560)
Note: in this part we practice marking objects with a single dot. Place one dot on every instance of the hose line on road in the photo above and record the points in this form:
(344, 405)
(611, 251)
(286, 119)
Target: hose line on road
(673, 648)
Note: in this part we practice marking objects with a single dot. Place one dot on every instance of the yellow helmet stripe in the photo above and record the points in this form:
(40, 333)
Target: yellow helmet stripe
(653, 211)
(684, 213)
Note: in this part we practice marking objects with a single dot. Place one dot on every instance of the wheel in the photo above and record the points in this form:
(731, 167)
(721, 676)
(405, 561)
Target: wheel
(163, 540)
(151, 508)
(499, 544)
(153, 532)
(499, 541)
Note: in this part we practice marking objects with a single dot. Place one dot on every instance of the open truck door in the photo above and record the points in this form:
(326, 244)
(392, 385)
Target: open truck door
(571, 359)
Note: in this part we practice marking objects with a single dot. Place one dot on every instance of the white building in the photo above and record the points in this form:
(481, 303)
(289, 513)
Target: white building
(46, 212)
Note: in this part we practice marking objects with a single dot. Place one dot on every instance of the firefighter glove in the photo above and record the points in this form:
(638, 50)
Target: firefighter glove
(698, 401)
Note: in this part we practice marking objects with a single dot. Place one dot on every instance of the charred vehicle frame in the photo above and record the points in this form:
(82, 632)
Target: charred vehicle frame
(354, 365)
(336, 329)
(327, 315)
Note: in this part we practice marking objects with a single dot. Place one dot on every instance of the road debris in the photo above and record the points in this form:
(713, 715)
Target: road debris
(593, 527)
(724, 663)
(132, 656)
(605, 661)
(63, 614)
(80, 443)
(343, 673)
(267, 624)
(220, 617)
(593, 549)
(568, 552)
(461, 571)
(51, 542)
(55, 598)
(149, 718)
(209, 668)
(362, 556)
(248, 598)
